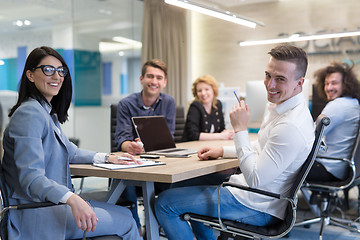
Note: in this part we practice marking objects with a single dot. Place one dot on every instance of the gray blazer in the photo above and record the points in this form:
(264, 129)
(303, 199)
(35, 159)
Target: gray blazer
(36, 168)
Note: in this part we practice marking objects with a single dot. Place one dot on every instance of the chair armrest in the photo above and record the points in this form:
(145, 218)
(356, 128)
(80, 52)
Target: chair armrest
(35, 205)
(262, 192)
(28, 206)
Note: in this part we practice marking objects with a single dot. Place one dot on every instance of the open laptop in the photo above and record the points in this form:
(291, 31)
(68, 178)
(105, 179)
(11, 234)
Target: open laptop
(154, 133)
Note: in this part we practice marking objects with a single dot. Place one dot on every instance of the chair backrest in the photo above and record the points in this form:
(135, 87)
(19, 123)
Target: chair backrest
(317, 103)
(290, 215)
(179, 124)
(113, 110)
(353, 171)
(319, 130)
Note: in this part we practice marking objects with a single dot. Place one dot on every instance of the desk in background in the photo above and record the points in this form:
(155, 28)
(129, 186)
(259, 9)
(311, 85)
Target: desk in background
(175, 170)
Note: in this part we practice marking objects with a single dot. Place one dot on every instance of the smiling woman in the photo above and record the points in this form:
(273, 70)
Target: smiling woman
(49, 80)
(37, 155)
(205, 120)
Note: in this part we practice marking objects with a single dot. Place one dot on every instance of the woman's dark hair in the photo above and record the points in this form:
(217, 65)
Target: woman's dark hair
(61, 102)
(350, 83)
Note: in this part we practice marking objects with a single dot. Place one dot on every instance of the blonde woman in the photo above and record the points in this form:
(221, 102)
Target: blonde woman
(205, 119)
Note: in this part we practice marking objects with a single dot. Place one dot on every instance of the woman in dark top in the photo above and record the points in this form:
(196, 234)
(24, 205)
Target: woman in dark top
(205, 120)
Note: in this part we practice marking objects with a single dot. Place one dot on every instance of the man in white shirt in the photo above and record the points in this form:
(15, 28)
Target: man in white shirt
(271, 163)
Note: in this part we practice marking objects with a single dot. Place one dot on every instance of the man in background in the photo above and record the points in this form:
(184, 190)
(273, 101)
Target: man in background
(338, 85)
(149, 102)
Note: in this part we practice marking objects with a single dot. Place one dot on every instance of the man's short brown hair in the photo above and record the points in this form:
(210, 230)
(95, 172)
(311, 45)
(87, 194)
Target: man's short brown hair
(290, 53)
(156, 63)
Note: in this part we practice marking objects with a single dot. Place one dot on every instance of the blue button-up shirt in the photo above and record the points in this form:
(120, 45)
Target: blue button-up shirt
(133, 106)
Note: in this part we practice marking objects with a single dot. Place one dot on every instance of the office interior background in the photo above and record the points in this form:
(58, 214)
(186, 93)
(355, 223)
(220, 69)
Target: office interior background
(105, 43)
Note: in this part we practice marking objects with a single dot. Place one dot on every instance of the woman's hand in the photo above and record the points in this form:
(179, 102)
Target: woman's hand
(227, 134)
(84, 215)
(114, 158)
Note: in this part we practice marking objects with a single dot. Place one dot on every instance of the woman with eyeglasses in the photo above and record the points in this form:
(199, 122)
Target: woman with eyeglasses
(36, 161)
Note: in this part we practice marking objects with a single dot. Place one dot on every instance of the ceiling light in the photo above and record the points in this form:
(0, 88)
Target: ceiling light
(133, 43)
(19, 23)
(27, 22)
(214, 12)
(298, 38)
(118, 44)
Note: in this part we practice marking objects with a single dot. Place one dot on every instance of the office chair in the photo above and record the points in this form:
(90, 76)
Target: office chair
(317, 103)
(179, 124)
(237, 230)
(328, 192)
(113, 110)
(356, 181)
(5, 207)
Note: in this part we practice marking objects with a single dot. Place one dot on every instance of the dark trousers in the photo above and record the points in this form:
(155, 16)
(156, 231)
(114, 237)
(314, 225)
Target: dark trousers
(318, 173)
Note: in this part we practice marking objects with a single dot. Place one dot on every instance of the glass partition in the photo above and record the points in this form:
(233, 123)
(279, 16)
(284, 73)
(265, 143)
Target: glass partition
(99, 39)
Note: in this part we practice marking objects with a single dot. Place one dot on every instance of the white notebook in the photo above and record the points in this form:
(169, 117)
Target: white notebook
(146, 163)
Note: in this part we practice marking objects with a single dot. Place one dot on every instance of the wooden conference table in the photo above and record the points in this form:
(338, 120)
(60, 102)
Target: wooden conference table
(174, 170)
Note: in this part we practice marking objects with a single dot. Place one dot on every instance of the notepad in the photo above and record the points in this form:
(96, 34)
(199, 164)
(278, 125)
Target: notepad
(146, 163)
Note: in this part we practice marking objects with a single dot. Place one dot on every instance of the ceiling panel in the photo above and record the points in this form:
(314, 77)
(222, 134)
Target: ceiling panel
(231, 3)
(86, 15)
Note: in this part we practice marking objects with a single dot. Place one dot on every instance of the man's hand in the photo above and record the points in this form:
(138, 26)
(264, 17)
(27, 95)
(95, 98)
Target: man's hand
(240, 116)
(207, 153)
(84, 215)
(132, 147)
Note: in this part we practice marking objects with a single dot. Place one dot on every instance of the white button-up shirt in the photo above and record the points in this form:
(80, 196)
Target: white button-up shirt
(272, 162)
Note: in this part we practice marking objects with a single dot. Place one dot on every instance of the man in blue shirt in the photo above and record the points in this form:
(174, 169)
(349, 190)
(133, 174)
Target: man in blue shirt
(338, 85)
(149, 102)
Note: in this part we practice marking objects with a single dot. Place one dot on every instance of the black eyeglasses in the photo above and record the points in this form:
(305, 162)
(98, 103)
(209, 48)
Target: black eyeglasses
(49, 70)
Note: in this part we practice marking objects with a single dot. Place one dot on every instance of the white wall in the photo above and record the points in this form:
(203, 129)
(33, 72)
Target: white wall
(215, 48)
(91, 125)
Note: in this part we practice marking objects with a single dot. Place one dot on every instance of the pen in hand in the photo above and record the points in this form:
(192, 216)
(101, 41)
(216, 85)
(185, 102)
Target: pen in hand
(238, 99)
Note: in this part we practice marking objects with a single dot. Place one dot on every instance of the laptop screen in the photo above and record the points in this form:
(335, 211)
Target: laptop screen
(154, 132)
